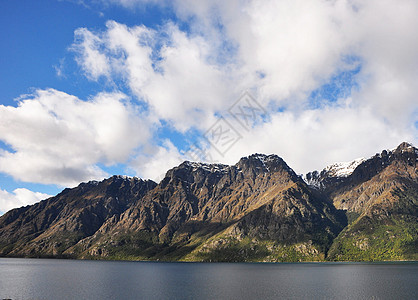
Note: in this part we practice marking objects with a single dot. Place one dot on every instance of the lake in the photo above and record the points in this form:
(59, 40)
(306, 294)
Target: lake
(78, 279)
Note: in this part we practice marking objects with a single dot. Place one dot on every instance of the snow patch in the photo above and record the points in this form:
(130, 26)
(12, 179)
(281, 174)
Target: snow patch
(264, 159)
(207, 167)
(336, 170)
(343, 169)
(314, 179)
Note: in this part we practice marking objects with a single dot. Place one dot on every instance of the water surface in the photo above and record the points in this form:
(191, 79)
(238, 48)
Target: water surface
(76, 279)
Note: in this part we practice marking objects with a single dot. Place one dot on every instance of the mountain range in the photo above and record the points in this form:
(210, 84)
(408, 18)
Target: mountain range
(256, 210)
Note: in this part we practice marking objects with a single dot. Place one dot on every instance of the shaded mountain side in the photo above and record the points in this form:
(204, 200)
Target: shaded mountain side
(51, 226)
(255, 210)
(292, 226)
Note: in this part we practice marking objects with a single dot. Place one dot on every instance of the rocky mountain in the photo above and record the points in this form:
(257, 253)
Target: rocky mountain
(218, 212)
(255, 210)
(51, 226)
(380, 198)
(331, 174)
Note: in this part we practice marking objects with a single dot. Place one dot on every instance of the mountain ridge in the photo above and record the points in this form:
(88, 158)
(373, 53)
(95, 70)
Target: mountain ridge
(256, 210)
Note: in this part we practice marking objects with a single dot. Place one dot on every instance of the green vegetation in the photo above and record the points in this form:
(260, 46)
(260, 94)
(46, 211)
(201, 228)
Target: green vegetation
(352, 216)
(408, 201)
(229, 249)
(6, 248)
(393, 238)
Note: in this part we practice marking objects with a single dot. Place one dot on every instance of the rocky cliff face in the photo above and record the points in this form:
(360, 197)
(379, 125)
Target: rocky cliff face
(256, 210)
(380, 197)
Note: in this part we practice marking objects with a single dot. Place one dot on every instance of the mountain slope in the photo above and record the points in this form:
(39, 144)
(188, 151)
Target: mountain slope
(380, 197)
(49, 227)
(259, 198)
(255, 210)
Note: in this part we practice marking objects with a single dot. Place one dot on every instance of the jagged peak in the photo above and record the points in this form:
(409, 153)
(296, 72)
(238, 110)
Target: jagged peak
(404, 146)
(343, 170)
(123, 177)
(335, 170)
(265, 163)
(127, 178)
(262, 157)
(112, 178)
(205, 166)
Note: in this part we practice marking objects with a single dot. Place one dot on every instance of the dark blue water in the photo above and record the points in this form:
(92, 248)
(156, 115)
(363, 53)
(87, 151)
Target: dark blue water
(75, 279)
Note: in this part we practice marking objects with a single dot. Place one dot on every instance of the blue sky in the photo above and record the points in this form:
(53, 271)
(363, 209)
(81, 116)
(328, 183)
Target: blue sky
(36, 36)
(94, 88)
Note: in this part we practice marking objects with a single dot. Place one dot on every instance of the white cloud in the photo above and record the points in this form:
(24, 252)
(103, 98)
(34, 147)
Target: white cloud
(316, 138)
(296, 46)
(280, 50)
(94, 63)
(59, 69)
(19, 197)
(194, 88)
(59, 139)
(155, 161)
(173, 72)
(387, 39)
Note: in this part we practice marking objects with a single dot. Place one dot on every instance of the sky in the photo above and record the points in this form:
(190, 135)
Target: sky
(89, 89)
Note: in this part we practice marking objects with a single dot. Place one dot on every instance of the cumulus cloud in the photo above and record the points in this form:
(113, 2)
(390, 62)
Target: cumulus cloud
(282, 51)
(57, 138)
(298, 45)
(19, 197)
(318, 137)
(386, 35)
(154, 161)
(194, 84)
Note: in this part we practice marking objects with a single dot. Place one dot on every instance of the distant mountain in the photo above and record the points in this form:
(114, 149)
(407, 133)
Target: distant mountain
(255, 210)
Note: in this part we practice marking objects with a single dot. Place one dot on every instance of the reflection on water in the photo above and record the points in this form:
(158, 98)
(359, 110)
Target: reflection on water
(71, 279)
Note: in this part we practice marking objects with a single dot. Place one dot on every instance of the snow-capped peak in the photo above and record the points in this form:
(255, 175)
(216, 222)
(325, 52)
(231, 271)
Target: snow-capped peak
(343, 169)
(336, 170)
